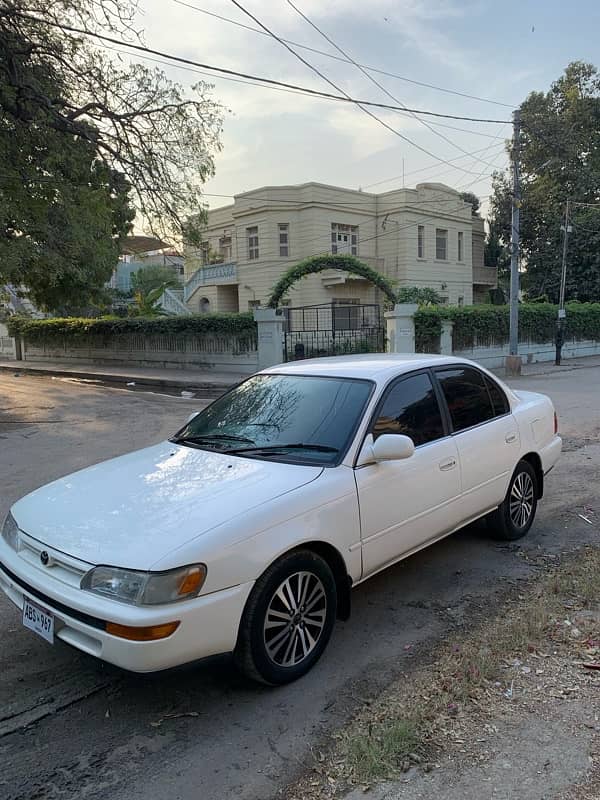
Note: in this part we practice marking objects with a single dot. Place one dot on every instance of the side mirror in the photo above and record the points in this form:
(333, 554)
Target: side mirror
(191, 417)
(393, 447)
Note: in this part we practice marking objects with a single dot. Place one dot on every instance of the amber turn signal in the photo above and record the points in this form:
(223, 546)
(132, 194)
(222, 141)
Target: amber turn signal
(148, 633)
(192, 582)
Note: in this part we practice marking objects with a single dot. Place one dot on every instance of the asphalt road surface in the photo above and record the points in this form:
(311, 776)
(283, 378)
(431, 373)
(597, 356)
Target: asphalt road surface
(72, 727)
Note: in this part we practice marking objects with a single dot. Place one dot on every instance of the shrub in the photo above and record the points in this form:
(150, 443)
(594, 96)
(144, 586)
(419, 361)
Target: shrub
(77, 327)
(489, 325)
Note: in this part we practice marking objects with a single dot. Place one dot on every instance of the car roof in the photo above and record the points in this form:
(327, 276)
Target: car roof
(373, 366)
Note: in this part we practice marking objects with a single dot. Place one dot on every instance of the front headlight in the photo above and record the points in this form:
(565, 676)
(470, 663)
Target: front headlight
(145, 588)
(10, 532)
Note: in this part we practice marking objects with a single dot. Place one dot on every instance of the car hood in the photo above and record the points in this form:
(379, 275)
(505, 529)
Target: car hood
(133, 510)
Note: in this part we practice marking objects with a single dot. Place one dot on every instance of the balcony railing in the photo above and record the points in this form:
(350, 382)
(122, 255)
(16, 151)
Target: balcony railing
(210, 275)
(487, 276)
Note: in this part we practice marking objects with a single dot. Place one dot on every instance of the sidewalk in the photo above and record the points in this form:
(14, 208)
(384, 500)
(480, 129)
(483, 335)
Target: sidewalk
(548, 367)
(210, 384)
(203, 383)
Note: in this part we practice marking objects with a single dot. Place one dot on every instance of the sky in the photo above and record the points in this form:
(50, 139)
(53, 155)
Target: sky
(499, 51)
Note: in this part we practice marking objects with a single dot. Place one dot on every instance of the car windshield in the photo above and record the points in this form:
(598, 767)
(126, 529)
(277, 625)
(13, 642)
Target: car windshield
(294, 418)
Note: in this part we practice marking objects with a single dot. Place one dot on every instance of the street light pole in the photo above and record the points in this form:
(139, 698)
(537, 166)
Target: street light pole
(560, 322)
(513, 362)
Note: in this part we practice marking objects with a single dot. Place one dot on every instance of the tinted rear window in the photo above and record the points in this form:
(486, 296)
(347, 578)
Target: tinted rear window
(499, 399)
(467, 396)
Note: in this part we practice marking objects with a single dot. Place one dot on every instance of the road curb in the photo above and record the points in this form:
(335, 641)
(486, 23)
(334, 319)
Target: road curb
(206, 389)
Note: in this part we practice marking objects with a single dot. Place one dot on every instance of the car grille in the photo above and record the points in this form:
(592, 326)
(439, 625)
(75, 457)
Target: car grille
(59, 566)
(54, 605)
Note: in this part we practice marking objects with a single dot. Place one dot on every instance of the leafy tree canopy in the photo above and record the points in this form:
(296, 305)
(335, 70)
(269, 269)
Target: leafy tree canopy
(151, 277)
(424, 296)
(475, 202)
(84, 137)
(560, 159)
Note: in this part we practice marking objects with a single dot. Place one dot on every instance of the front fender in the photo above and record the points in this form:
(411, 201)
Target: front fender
(325, 510)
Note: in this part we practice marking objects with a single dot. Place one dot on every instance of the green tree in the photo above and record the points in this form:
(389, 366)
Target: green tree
(82, 138)
(146, 304)
(151, 277)
(560, 159)
(424, 296)
(469, 197)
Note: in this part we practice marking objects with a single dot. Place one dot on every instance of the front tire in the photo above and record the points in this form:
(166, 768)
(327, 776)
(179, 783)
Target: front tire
(514, 517)
(288, 619)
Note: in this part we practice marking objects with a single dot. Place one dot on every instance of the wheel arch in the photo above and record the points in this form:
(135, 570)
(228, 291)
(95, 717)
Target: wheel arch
(343, 581)
(334, 559)
(535, 461)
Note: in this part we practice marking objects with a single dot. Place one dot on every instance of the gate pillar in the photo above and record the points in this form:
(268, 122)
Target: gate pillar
(270, 336)
(400, 324)
(446, 337)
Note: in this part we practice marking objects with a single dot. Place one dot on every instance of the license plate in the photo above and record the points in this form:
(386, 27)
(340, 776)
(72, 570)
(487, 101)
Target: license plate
(39, 620)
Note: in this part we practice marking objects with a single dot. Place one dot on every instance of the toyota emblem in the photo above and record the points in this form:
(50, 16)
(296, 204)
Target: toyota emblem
(44, 557)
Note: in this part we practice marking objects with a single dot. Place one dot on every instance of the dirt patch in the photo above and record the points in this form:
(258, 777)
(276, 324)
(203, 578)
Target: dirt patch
(509, 710)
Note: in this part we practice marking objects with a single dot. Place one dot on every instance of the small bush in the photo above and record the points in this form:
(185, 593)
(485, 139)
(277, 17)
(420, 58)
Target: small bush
(77, 327)
(489, 325)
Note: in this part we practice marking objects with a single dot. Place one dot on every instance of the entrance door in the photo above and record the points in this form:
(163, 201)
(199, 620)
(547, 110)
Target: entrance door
(405, 504)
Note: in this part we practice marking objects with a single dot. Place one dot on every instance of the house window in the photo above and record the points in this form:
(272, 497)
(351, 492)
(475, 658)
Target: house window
(253, 304)
(284, 239)
(421, 241)
(225, 248)
(252, 238)
(461, 301)
(441, 244)
(344, 239)
(461, 246)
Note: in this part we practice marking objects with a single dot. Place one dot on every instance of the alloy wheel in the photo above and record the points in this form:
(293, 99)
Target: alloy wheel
(295, 619)
(521, 499)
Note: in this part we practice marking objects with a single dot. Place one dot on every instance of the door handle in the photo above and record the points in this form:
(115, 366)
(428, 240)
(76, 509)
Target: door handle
(450, 463)
(510, 437)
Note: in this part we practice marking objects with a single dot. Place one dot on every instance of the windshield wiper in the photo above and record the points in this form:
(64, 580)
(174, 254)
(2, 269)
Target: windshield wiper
(212, 437)
(321, 448)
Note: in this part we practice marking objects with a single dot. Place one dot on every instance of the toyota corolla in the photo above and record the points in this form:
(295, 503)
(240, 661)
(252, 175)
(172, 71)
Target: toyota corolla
(247, 530)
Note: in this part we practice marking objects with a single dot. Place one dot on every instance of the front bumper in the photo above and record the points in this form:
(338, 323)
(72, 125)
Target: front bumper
(208, 624)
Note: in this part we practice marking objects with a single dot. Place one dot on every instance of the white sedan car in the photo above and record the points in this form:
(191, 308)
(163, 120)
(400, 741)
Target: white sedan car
(247, 530)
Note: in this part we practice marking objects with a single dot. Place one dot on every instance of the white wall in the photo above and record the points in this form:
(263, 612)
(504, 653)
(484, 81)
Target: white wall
(7, 344)
(531, 353)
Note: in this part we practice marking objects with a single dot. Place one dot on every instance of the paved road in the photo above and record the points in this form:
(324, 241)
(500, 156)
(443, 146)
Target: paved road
(71, 727)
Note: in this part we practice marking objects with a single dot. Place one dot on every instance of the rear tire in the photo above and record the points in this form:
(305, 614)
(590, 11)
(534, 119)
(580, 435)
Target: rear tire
(514, 517)
(288, 619)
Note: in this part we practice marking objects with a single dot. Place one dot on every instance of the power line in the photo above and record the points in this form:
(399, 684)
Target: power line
(303, 89)
(314, 69)
(423, 169)
(403, 112)
(374, 80)
(337, 58)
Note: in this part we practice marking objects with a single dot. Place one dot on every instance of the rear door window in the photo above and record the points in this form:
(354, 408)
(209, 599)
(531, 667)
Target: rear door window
(467, 397)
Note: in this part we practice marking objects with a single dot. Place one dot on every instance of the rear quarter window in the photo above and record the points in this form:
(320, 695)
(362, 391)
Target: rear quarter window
(497, 396)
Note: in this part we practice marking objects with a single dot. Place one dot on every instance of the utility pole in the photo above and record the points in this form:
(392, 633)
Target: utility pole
(560, 322)
(513, 362)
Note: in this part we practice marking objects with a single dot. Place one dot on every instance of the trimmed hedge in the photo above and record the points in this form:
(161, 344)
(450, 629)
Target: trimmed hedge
(489, 325)
(76, 327)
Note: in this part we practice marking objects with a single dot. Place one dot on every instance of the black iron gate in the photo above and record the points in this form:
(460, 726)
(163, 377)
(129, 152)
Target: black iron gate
(332, 329)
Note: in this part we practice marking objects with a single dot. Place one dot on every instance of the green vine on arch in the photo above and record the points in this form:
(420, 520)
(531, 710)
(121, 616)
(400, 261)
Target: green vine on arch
(309, 266)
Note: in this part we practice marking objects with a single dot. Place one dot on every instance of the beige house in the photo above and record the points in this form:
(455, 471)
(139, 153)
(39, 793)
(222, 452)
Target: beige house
(424, 237)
